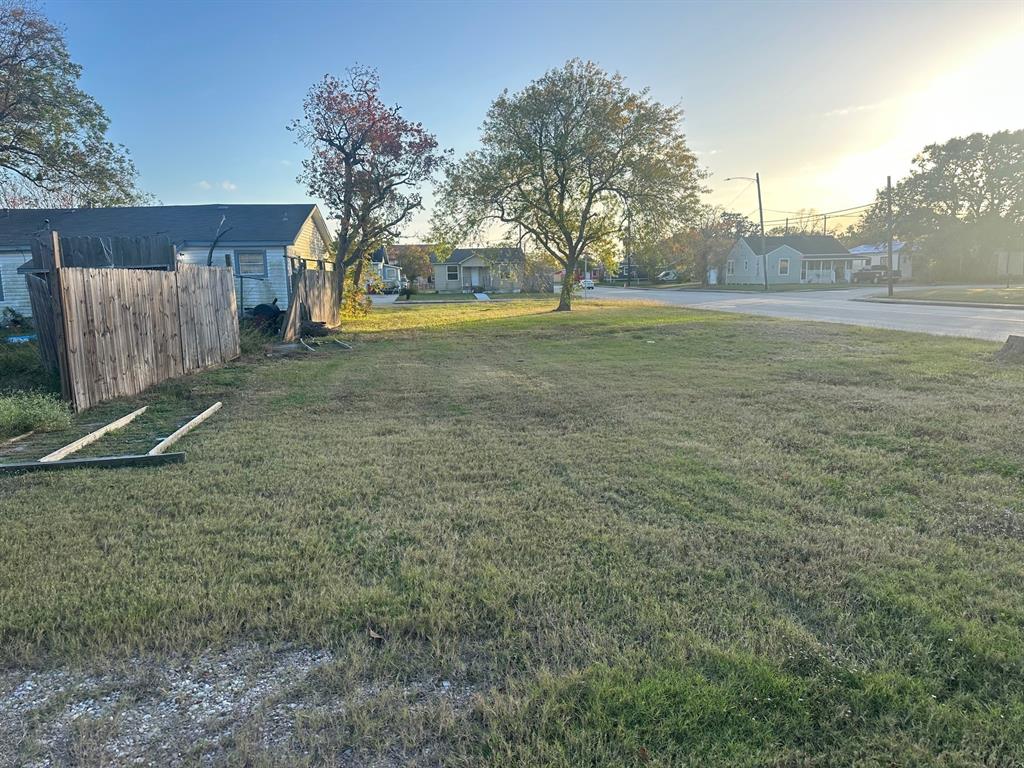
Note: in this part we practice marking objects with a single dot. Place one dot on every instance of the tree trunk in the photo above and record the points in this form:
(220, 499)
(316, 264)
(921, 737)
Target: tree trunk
(565, 299)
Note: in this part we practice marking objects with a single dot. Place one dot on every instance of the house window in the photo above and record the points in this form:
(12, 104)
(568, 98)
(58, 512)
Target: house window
(783, 267)
(730, 267)
(803, 270)
(505, 271)
(251, 263)
(746, 265)
(453, 273)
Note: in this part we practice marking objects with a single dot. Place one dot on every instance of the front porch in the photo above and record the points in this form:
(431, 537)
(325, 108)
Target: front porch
(827, 271)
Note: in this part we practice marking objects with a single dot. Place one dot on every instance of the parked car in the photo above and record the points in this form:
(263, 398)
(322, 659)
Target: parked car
(587, 284)
(668, 276)
(875, 273)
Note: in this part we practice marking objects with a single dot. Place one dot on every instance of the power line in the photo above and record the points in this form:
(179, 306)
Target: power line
(815, 215)
(738, 195)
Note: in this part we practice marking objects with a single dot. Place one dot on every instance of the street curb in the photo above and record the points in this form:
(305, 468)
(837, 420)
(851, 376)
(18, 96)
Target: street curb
(923, 302)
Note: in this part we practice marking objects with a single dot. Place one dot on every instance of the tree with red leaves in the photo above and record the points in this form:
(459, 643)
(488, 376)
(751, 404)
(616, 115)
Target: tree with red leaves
(367, 163)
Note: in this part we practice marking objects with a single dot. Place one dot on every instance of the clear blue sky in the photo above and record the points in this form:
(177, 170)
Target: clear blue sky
(822, 98)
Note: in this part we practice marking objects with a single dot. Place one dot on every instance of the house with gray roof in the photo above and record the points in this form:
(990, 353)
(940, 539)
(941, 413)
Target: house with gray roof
(790, 259)
(480, 270)
(265, 244)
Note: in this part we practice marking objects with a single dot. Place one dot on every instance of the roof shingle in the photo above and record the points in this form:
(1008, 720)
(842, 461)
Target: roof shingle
(183, 224)
(809, 245)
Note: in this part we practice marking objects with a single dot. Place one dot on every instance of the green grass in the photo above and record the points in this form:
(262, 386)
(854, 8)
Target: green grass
(22, 412)
(1013, 295)
(635, 534)
(20, 369)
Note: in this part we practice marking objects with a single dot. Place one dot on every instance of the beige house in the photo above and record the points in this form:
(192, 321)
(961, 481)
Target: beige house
(480, 270)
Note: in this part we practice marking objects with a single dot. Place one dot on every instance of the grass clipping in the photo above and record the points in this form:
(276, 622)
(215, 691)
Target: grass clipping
(22, 412)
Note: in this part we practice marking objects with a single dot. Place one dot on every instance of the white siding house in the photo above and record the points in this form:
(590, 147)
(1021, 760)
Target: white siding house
(13, 289)
(877, 255)
(266, 244)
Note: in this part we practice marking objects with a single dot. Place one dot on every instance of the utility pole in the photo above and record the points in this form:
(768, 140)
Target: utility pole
(760, 210)
(888, 212)
(629, 245)
(824, 224)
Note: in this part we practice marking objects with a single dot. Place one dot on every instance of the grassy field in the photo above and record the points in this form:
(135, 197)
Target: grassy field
(629, 535)
(1012, 295)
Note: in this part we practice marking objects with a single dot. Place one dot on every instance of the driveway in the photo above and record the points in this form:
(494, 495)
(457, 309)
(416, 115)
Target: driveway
(838, 306)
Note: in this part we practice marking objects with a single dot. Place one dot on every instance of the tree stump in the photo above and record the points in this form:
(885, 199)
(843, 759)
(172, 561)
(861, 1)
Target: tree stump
(1012, 351)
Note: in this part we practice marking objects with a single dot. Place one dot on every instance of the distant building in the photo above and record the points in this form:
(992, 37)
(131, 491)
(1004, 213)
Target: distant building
(390, 274)
(877, 255)
(480, 269)
(791, 259)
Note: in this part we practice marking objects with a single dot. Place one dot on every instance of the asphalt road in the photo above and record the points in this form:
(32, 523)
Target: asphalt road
(837, 306)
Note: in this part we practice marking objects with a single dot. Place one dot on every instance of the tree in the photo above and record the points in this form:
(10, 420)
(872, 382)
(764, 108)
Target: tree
(367, 163)
(962, 202)
(712, 236)
(53, 146)
(414, 259)
(568, 158)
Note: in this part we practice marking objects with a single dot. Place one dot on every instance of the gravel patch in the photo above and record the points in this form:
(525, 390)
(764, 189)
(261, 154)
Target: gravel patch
(146, 711)
(202, 710)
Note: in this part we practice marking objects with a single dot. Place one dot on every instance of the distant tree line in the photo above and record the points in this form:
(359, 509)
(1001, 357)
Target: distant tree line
(961, 207)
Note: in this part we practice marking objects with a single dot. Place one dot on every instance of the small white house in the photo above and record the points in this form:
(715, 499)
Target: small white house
(266, 244)
(877, 255)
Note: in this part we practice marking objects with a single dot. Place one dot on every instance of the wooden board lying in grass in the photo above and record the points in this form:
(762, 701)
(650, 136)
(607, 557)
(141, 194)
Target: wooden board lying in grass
(95, 462)
(92, 437)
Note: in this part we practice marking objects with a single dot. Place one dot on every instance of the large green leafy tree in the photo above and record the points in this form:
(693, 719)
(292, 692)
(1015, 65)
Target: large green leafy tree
(962, 203)
(53, 145)
(577, 160)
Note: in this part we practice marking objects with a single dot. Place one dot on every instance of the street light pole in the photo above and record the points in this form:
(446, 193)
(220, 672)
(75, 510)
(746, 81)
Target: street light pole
(888, 213)
(760, 211)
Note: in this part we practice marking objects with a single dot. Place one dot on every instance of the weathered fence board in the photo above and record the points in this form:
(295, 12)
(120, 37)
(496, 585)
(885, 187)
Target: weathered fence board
(42, 318)
(315, 298)
(114, 332)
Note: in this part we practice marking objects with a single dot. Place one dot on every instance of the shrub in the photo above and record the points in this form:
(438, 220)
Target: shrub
(21, 368)
(26, 411)
(253, 337)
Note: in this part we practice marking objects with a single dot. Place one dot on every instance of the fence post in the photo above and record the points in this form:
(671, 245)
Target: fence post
(52, 261)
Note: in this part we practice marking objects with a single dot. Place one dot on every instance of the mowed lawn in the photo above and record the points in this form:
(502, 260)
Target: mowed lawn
(1011, 295)
(630, 535)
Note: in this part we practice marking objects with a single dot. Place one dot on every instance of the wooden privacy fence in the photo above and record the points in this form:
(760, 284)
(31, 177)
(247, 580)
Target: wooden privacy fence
(114, 332)
(315, 298)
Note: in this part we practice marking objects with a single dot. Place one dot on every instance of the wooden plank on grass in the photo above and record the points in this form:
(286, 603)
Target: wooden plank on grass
(179, 433)
(98, 462)
(92, 437)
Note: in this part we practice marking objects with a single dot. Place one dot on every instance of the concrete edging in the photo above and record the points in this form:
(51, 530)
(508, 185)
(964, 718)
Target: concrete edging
(939, 303)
